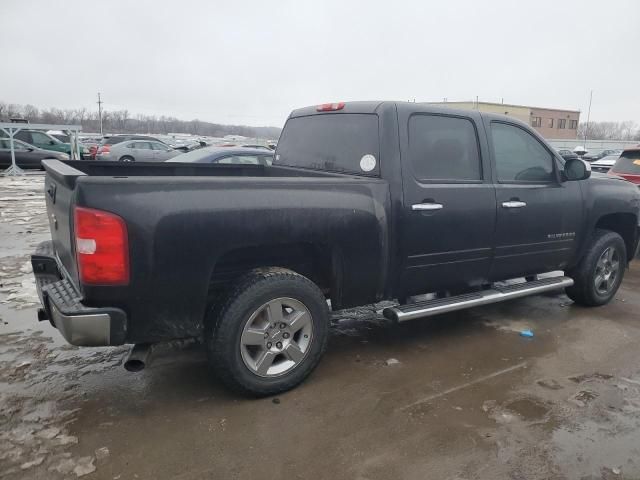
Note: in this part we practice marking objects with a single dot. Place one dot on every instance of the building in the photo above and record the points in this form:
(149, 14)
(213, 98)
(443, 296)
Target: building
(551, 123)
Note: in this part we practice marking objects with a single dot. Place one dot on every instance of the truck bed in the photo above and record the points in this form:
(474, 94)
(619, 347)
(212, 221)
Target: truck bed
(192, 227)
(69, 171)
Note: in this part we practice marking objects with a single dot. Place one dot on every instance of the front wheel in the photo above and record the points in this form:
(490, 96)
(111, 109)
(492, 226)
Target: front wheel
(127, 158)
(600, 272)
(269, 332)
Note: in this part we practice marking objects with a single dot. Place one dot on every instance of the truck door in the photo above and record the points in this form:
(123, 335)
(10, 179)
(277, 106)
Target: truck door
(449, 209)
(538, 216)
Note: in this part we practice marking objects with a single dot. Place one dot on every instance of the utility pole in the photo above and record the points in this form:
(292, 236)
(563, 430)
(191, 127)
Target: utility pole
(100, 113)
(586, 129)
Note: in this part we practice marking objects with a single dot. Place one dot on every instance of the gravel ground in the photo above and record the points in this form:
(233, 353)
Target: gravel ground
(460, 396)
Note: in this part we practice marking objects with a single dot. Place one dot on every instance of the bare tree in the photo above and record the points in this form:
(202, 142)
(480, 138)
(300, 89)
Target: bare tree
(31, 113)
(122, 121)
(626, 130)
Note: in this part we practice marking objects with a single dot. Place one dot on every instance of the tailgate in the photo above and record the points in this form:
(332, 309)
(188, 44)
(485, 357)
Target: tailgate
(59, 187)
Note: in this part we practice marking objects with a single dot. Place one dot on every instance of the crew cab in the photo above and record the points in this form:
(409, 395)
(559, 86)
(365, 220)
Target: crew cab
(364, 201)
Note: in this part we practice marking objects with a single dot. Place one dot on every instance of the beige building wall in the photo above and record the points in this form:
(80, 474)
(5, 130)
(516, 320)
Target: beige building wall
(557, 124)
(550, 123)
(518, 111)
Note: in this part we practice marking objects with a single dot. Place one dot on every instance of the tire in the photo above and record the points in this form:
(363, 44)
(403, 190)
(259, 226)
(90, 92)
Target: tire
(594, 268)
(244, 349)
(127, 158)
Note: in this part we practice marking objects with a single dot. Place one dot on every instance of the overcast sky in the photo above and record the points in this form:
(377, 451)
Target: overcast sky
(251, 62)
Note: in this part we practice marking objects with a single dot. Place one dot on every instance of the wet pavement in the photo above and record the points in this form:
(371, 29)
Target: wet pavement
(459, 396)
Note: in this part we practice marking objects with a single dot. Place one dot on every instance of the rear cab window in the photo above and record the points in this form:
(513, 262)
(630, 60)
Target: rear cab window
(335, 142)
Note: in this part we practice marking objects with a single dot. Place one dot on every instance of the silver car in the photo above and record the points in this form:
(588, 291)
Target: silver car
(138, 151)
(605, 163)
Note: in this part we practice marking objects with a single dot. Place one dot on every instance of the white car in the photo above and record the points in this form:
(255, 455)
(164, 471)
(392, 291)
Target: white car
(605, 163)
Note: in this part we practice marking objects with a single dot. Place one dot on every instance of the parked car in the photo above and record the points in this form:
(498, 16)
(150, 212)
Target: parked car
(44, 141)
(365, 201)
(138, 151)
(592, 157)
(63, 137)
(604, 164)
(182, 143)
(27, 156)
(227, 155)
(108, 142)
(628, 165)
(567, 154)
(261, 147)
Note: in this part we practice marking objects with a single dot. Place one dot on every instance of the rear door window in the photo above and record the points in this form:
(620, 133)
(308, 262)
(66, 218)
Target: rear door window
(24, 136)
(39, 137)
(336, 142)
(159, 146)
(444, 148)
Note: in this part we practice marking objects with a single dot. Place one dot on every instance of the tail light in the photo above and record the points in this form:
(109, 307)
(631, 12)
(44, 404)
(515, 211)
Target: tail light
(103, 149)
(102, 247)
(330, 107)
(630, 177)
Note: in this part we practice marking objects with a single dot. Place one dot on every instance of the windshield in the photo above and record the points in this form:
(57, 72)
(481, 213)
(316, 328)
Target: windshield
(342, 142)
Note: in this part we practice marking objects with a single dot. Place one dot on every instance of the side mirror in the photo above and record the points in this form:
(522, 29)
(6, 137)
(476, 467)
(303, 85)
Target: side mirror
(576, 169)
(51, 142)
(30, 149)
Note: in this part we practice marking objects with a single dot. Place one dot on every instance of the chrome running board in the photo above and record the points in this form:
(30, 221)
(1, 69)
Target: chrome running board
(402, 313)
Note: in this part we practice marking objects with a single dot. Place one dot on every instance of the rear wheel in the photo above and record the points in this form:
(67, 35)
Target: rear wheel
(127, 158)
(269, 332)
(600, 272)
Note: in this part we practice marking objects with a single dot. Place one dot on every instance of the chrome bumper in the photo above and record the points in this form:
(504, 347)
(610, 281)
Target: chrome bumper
(62, 305)
(88, 330)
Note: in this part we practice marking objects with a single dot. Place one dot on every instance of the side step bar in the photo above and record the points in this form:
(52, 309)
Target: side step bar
(501, 293)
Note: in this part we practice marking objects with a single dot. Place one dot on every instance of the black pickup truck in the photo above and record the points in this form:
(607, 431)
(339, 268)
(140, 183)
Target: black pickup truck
(365, 201)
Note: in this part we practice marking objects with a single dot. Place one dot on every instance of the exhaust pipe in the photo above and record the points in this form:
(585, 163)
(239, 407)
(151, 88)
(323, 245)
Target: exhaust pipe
(139, 357)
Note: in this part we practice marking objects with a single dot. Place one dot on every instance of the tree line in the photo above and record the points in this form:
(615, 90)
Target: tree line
(627, 130)
(122, 121)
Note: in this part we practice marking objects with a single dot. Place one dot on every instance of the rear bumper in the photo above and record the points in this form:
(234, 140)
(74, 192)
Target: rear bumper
(62, 306)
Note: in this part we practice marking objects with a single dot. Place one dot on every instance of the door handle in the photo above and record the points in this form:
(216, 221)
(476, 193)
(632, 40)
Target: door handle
(427, 206)
(514, 204)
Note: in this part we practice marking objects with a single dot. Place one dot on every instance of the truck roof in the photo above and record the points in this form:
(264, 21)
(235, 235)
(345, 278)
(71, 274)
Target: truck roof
(349, 107)
(376, 106)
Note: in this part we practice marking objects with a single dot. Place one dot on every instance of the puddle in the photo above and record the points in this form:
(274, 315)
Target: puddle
(528, 409)
(590, 376)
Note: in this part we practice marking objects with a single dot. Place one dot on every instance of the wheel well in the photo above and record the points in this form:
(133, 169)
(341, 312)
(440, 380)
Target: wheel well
(624, 224)
(312, 261)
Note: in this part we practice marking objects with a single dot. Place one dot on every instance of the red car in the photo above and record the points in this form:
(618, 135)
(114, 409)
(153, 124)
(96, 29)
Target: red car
(628, 165)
